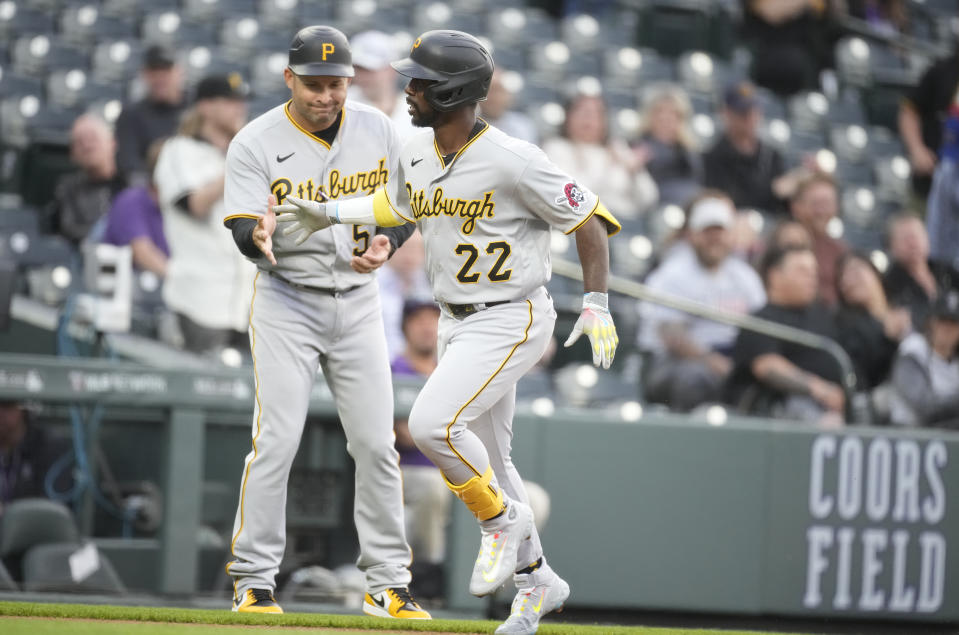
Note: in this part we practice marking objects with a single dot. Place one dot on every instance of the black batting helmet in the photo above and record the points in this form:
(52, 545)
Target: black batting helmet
(461, 67)
(321, 50)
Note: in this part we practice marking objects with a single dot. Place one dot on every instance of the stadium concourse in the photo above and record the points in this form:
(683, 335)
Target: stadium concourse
(770, 448)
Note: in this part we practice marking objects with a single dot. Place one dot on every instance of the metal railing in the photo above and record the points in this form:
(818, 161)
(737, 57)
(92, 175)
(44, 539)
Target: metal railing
(570, 269)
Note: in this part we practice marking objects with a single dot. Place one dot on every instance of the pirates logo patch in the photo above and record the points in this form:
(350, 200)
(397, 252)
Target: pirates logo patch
(572, 196)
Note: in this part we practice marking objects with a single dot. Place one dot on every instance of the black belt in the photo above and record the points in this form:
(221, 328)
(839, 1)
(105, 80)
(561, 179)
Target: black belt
(460, 311)
(307, 287)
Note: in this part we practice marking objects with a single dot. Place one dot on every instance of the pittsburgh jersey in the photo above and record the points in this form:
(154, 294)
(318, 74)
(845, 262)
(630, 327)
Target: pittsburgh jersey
(274, 155)
(486, 215)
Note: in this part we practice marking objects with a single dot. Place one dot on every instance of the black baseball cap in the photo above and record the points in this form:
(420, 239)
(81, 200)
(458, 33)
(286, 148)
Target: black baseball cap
(229, 86)
(740, 97)
(946, 306)
(159, 57)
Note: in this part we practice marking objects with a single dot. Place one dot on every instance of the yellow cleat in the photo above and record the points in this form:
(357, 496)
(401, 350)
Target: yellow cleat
(395, 602)
(257, 601)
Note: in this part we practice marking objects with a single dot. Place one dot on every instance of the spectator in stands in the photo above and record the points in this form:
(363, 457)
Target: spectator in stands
(814, 205)
(789, 41)
(688, 357)
(773, 376)
(913, 280)
(208, 282)
(26, 455)
(925, 375)
(606, 166)
(154, 117)
(135, 219)
(942, 211)
(888, 17)
(666, 144)
(869, 328)
(753, 173)
(496, 110)
(921, 116)
(374, 82)
(789, 233)
(81, 198)
(402, 279)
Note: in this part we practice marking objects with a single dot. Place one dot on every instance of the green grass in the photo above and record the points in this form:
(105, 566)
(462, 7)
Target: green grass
(27, 618)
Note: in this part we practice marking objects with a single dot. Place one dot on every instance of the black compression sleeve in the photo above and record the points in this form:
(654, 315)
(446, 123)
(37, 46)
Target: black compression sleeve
(397, 235)
(242, 229)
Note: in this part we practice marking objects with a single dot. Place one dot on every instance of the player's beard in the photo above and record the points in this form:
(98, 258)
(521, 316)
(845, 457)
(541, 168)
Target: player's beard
(422, 119)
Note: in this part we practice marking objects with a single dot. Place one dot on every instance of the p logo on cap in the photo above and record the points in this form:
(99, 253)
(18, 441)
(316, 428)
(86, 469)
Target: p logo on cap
(328, 49)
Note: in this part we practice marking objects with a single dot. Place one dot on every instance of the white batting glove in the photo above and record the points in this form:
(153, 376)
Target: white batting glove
(596, 322)
(303, 217)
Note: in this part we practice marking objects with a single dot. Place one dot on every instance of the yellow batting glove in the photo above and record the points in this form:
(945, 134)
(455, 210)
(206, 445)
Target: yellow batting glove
(596, 322)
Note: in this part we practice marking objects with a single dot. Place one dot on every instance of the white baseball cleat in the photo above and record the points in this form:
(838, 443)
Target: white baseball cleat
(499, 547)
(537, 594)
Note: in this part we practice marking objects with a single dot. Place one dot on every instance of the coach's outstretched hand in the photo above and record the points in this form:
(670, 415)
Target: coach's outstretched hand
(597, 323)
(301, 217)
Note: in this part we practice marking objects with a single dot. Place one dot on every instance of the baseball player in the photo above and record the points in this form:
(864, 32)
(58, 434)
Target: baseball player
(315, 304)
(484, 203)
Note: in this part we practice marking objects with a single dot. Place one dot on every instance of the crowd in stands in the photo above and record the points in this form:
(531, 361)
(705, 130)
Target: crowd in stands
(760, 231)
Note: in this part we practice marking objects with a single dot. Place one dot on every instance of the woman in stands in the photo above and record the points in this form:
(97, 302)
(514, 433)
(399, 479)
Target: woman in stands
(869, 328)
(666, 144)
(604, 165)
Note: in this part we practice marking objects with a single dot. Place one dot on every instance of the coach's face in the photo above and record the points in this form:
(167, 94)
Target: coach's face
(317, 99)
(422, 113)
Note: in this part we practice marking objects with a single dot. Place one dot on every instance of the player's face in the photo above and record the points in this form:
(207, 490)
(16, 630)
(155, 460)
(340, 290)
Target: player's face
(317, 99)
(422, 113)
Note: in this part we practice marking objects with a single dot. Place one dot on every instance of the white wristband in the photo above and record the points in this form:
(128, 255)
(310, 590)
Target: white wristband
(596, 298)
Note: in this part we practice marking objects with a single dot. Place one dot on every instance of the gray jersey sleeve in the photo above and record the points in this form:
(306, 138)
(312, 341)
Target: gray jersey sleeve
(554, 196)
(247, 186)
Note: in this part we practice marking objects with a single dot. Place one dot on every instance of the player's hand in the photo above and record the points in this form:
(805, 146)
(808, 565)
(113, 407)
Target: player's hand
(302, 217)
(374, 257)
(263, 232)
(596, 322)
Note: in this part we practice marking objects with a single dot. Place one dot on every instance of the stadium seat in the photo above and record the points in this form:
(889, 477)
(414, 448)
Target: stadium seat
(850, 143)
(204, 60)
(13, 84)
(548, 116)
(116, 60)
(134, 8)
(892, 176)
(211, 11)
(266, 75)
(700, 72)
(243, 37)
(673, 27)
(35, 54)
(53, 568)
(170, 28)
(555, 61)
(777, 133)
(809, 111)
(663, 222)
(631, 254)
(517, 27)
(310, 13)
(633, 67)
(582, 32)
(6, 580)
(82, 24)
(581, 385)
(706, 128)
(279, 14)
(353, 17)
(16, 19)
(770, 103)
(28, 522)
(440, 15)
